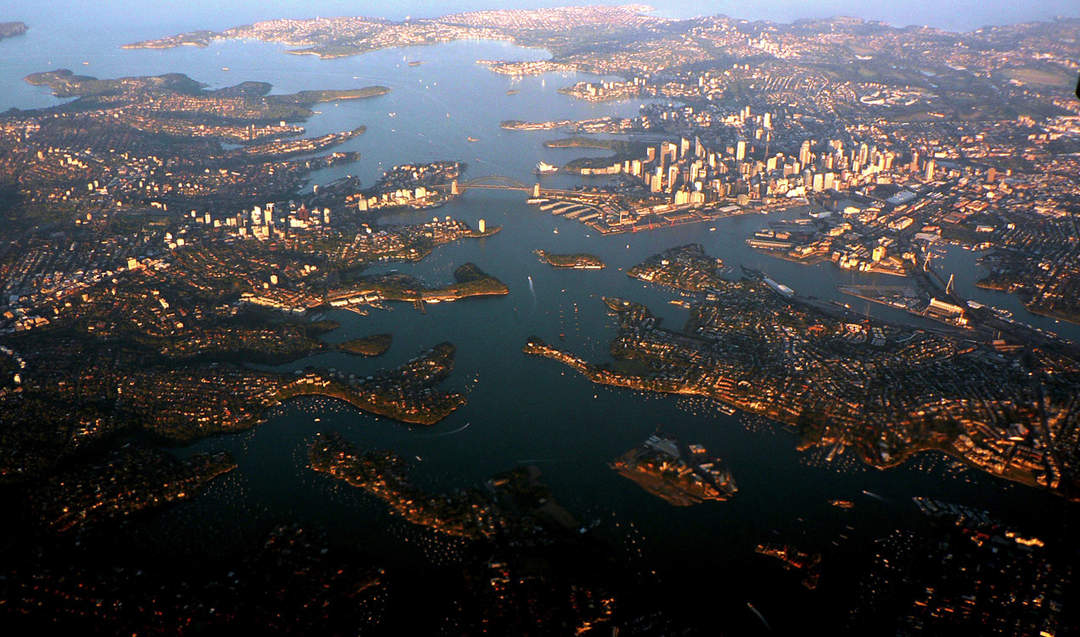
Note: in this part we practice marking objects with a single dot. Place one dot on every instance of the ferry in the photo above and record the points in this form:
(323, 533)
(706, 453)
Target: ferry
(544, 167)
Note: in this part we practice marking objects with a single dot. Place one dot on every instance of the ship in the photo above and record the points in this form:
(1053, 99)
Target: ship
(471, 139)
(544, 168)
(416, 63)
(513, 91)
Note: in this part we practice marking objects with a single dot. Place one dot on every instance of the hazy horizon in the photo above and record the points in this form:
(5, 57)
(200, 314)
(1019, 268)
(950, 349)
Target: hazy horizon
(963, 15)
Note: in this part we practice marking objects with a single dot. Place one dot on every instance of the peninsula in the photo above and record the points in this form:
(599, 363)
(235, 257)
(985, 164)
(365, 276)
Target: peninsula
(886, 390)
(128, 482)
(470, 281)
(405, 394)
(514, 506)
(682, 476)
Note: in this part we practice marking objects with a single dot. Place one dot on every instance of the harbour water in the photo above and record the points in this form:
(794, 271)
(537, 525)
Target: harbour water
(525, 410)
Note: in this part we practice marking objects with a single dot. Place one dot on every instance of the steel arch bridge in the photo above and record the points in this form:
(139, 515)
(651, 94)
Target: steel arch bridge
(494, 182)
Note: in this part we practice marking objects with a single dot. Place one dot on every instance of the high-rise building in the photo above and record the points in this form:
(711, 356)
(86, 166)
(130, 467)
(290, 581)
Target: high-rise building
(740, 151)
(804, 153)
(669, 149)
(929, 170)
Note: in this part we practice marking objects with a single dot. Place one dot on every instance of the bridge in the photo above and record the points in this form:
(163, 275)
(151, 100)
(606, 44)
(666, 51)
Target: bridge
(494, 182)
(498, 182)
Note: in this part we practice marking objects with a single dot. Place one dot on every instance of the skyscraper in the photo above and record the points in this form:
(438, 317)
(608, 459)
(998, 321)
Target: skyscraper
(804, 153)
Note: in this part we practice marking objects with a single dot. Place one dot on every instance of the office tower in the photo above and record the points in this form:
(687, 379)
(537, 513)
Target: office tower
(804, 153)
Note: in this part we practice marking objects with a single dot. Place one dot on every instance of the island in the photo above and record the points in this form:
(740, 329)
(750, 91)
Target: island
(12, 29)
(680, 475)
(579, 261)
(374, 345)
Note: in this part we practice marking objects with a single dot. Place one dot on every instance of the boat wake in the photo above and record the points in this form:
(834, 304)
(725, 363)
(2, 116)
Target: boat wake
(450, 433)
